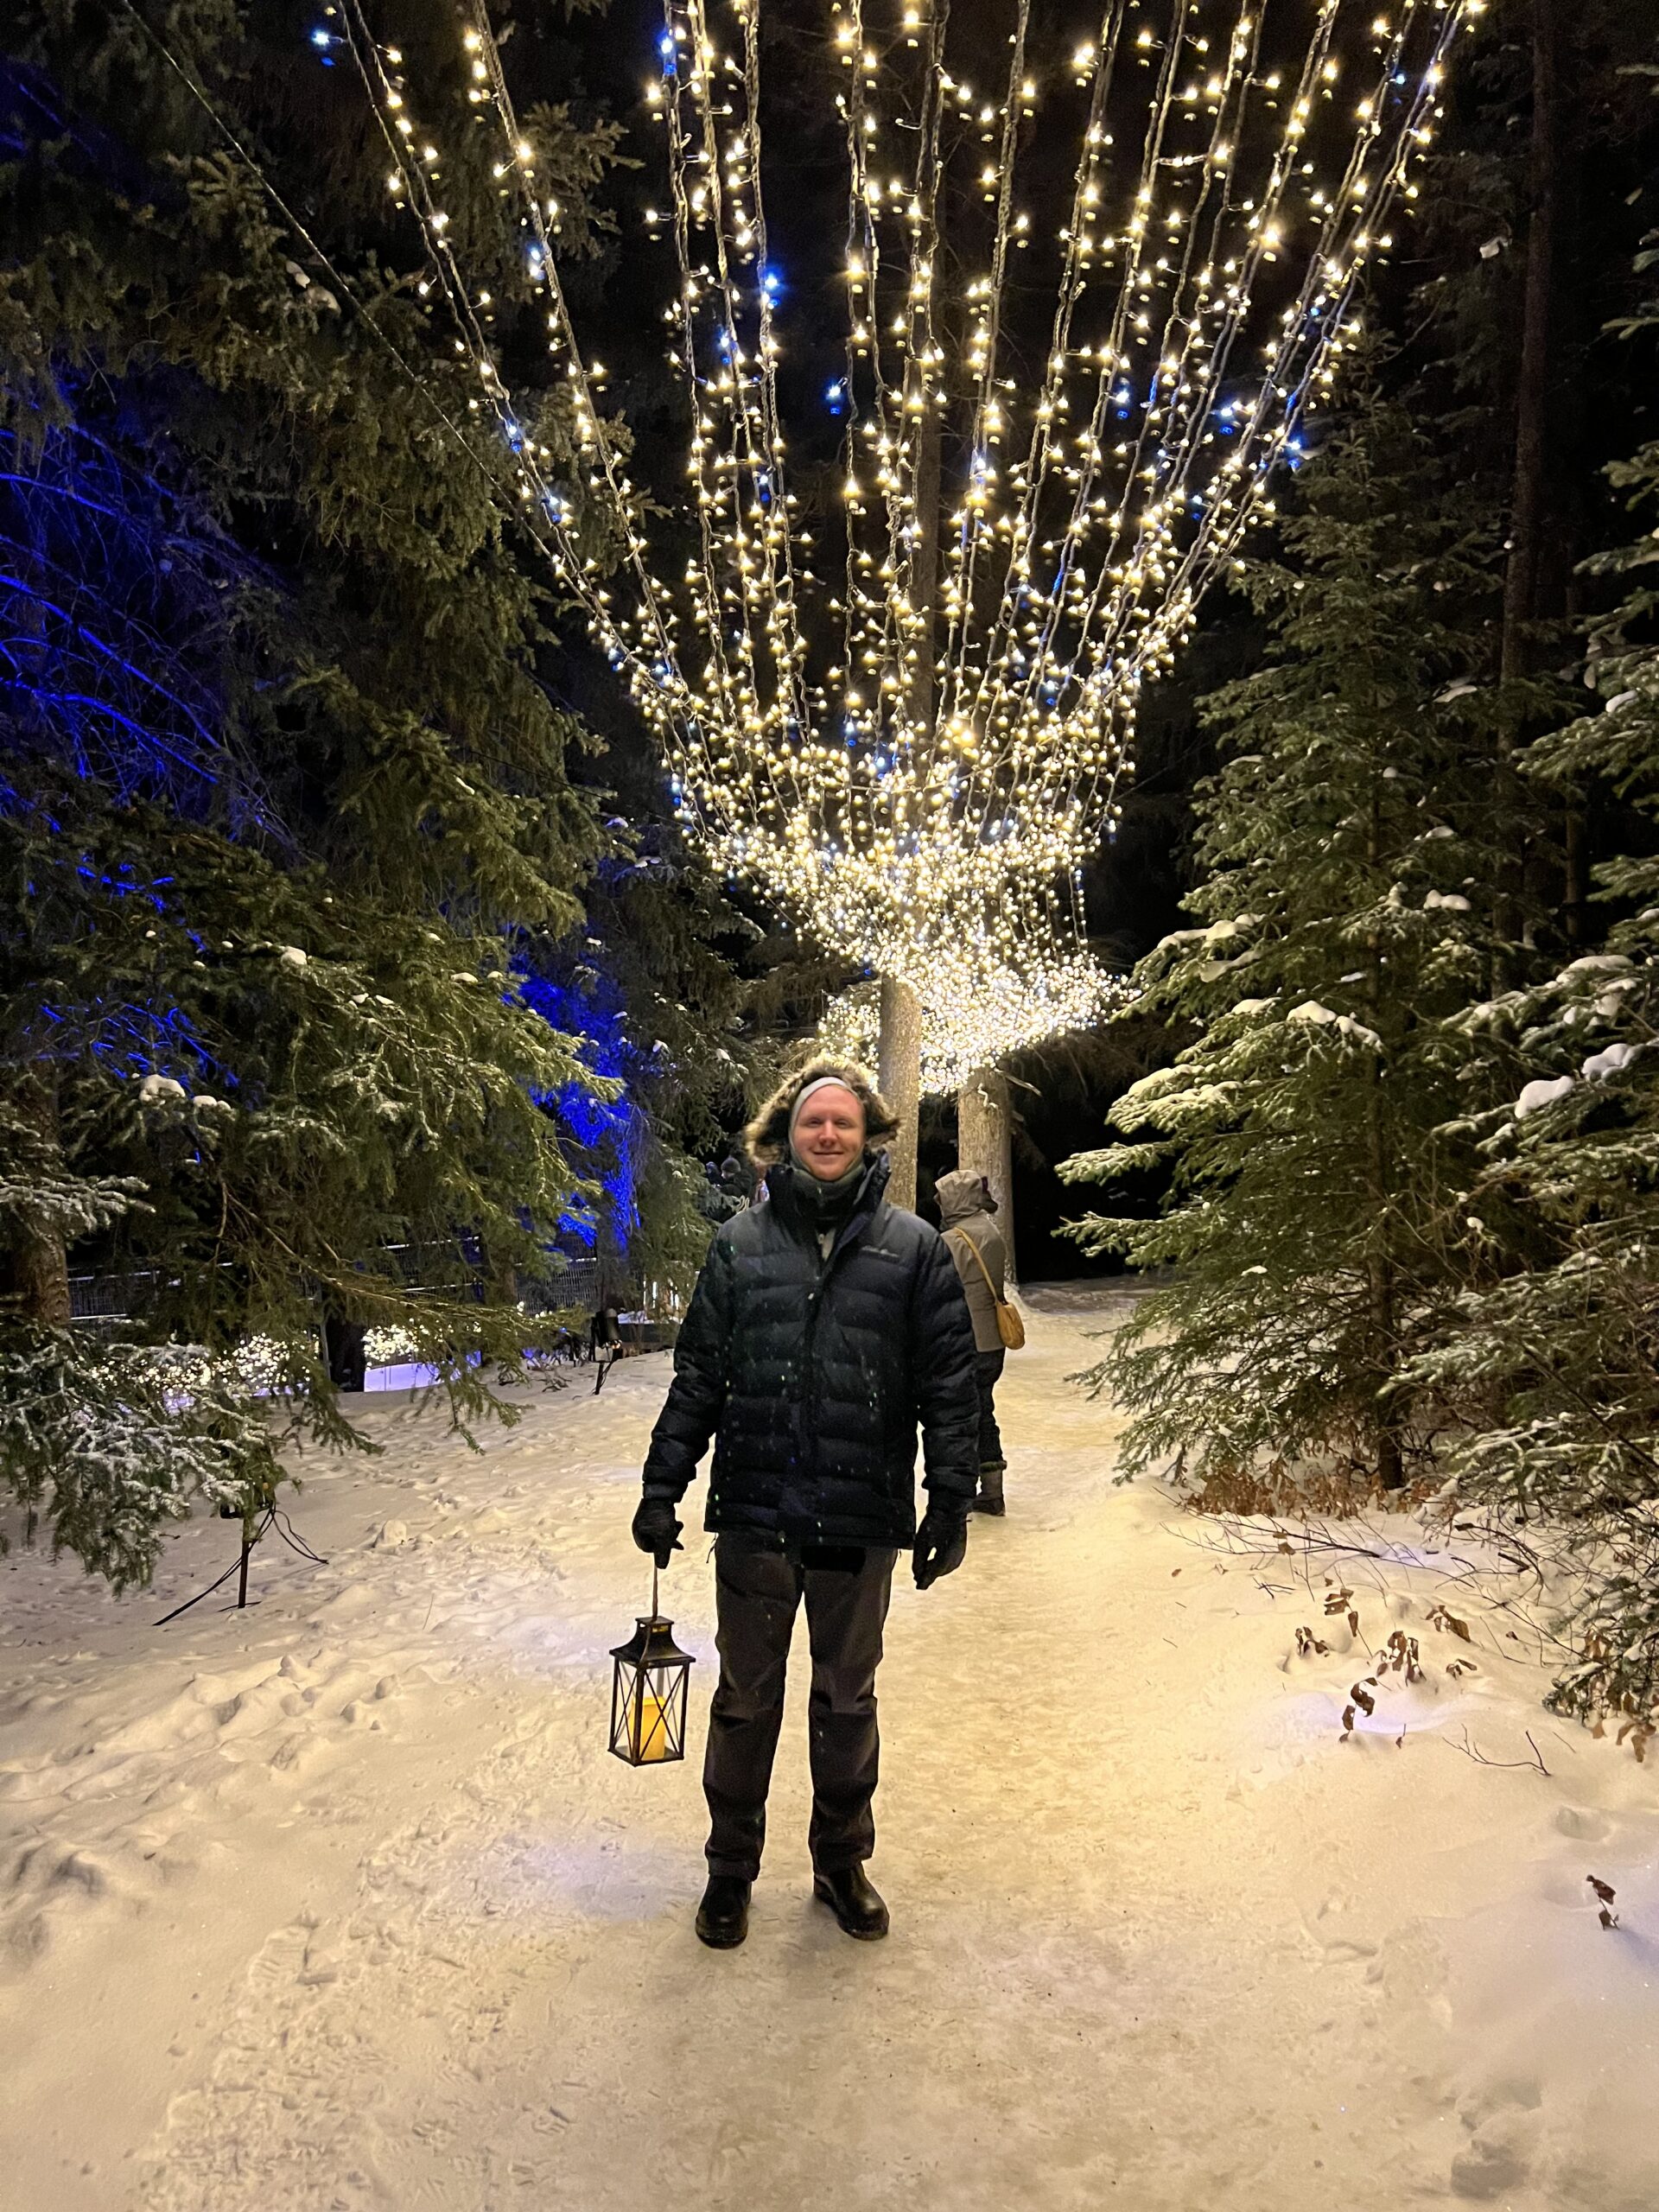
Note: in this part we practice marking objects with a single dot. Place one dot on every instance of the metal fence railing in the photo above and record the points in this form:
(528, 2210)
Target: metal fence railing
(111, 1303)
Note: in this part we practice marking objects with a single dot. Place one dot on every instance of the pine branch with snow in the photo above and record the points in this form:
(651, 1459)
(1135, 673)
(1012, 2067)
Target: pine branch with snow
(284, 790)
(104, 1444)
(1311, 1129)
(1555, 1368)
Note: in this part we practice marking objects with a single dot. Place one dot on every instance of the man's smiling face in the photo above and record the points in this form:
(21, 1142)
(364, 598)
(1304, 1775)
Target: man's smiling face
(828, 1133)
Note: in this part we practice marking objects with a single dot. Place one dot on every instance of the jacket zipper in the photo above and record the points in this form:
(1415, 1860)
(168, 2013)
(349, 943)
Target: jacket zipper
(815, 1300)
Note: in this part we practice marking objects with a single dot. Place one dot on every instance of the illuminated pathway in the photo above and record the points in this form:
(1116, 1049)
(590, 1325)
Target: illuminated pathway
(342, 1904)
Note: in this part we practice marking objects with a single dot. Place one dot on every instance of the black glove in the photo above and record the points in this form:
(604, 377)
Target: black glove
(655, 1529)
(941, 1541)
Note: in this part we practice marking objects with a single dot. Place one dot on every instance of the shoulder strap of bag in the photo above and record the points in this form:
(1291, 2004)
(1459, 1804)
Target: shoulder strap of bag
(1009, 1326)
(980, 1257)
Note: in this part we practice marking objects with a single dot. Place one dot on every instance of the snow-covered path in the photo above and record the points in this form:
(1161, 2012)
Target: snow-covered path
(341, 1903)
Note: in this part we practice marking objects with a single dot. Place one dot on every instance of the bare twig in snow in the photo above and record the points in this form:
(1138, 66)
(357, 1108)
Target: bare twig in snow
(1473, 1752)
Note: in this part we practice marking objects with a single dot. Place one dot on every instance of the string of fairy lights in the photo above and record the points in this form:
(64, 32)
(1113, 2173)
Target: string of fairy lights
(907, 720)
(976, 1011)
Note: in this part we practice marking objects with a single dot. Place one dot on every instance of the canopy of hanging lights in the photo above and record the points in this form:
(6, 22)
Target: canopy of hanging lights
(907, 718)
(976, 1020)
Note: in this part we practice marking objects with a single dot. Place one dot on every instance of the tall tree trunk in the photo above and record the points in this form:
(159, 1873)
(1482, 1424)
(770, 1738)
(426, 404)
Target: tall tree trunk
(612, 1271)
(35, 1263)
(1391, 1459)
(1379, 1264)
(898, 1074)
(985, 1146)
(1577, 314)
(900, 1052)
(1575, 886)
(1528, 503)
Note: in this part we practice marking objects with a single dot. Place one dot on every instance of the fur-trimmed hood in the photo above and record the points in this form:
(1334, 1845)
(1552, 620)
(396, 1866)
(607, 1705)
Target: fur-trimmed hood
(767, 1136)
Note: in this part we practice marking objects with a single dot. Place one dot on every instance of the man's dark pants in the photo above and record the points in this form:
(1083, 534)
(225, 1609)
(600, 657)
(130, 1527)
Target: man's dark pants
(758, 1589)
(988, 1370)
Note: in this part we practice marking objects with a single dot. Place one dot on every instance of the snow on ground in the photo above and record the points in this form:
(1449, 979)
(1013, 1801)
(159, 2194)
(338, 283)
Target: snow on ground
(341, 1903)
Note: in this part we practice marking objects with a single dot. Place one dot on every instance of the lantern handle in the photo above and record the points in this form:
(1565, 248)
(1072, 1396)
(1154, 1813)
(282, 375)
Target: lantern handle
(653, 1589)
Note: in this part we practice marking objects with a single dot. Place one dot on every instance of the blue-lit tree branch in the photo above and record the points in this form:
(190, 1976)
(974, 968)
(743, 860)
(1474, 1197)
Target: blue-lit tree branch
(118, 609)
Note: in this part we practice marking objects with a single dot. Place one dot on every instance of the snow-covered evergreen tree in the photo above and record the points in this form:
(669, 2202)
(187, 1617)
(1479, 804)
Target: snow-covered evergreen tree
(1555, 1368)
(1344, 921)
(282, 792)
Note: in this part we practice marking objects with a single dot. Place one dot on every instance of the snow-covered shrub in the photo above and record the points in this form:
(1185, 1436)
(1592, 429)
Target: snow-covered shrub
(105, 1443)
(389, 1347)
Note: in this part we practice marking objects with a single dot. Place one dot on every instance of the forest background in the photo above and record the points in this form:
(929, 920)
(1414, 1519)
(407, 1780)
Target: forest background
(355, 964)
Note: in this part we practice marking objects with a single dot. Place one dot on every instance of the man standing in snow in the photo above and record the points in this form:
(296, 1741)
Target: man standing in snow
(826, 1324)
(965, 1209)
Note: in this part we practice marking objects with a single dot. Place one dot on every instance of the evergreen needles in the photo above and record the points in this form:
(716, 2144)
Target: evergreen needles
(1411, 1237)
(1554, 1369)
(1310, 1121)
(284, 806)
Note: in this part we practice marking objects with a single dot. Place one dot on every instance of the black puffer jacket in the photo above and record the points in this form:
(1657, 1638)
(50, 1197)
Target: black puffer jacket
(811, 1374)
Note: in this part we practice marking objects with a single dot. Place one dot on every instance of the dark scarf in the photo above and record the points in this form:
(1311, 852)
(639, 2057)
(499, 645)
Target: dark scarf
(825, 1208)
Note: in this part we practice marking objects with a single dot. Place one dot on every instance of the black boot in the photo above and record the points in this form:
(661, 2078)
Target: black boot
(723, 1915)
(988, 1498)
(854, 1900)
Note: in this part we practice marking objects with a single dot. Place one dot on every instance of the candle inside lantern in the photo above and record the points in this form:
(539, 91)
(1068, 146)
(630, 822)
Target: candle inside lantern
(650, 1725)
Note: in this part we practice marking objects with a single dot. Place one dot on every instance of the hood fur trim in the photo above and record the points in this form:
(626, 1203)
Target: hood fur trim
(767, 1135)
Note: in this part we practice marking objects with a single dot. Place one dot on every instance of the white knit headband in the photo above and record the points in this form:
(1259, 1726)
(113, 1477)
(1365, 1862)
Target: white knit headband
(820, 1083)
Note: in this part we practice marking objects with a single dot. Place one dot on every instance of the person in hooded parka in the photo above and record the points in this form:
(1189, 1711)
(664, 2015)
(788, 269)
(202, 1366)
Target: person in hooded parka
(826, 1327)
(966, 1206)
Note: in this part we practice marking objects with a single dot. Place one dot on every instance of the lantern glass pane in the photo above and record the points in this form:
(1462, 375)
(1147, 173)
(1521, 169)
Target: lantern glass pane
(623, 1702)
(661, 1713)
